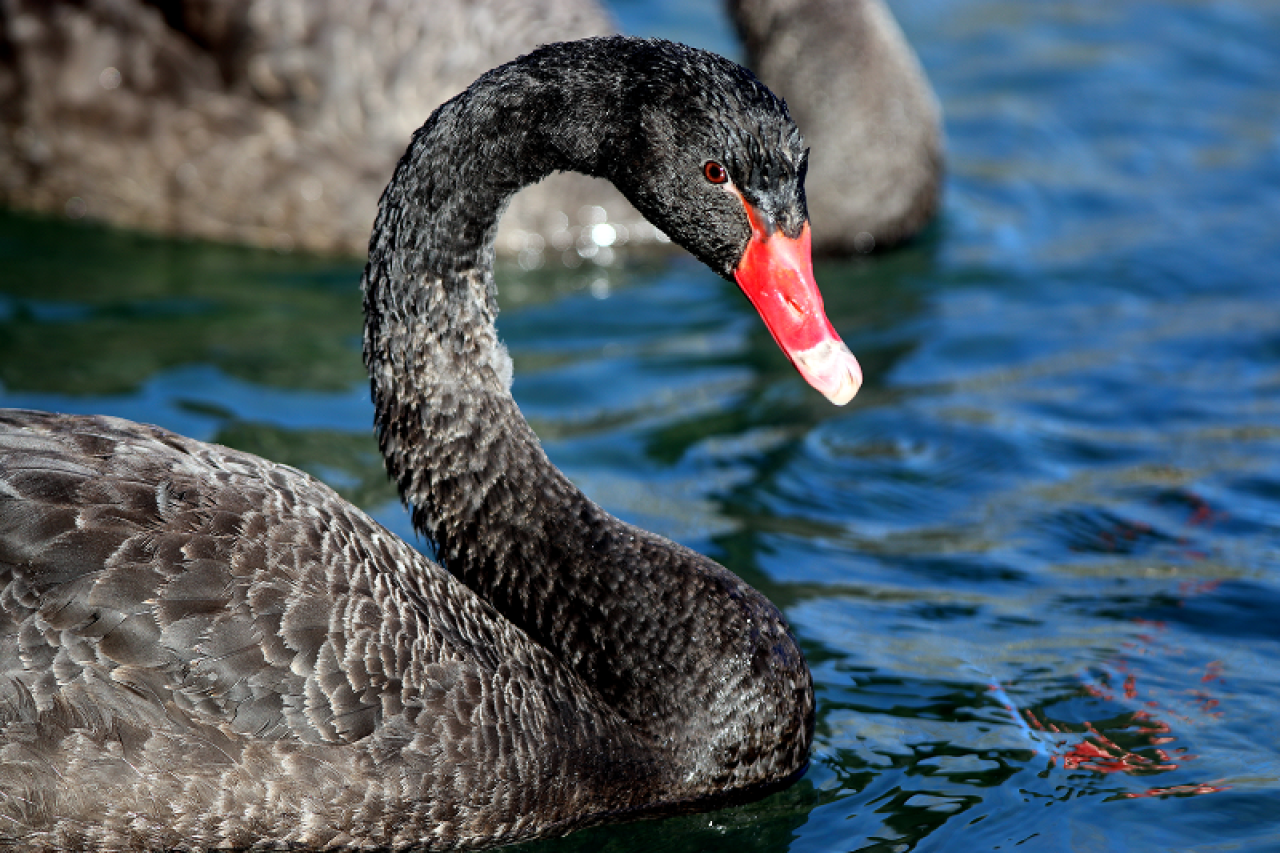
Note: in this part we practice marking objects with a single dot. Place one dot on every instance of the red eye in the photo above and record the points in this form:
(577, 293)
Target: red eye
(714, 172)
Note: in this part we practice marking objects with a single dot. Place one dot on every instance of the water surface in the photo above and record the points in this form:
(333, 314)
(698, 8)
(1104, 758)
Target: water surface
(1035, 565)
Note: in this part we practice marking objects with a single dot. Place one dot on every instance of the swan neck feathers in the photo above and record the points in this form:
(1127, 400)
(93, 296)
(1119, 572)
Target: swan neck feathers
(654, 628)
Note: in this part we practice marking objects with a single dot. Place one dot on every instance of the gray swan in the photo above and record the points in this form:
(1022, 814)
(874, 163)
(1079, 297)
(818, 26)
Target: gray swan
(275, 122)
(270, 122)
(200, 648)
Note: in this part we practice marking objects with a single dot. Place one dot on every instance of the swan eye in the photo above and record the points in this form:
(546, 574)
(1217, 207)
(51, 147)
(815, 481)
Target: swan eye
(714, 172)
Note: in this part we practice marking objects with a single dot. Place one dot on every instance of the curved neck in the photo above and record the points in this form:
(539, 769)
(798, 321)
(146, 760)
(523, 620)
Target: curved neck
(431, 252)
(657, 630)
(511, 128)
(449, 430)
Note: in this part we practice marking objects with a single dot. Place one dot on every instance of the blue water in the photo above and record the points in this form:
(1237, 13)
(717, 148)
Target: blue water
(1035, 565)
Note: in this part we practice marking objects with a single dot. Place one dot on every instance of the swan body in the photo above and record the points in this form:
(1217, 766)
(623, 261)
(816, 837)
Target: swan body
(201, 648)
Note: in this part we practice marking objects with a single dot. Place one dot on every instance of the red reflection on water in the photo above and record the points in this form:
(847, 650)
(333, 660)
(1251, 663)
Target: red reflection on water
(1190, 790)
(1103, 755)
(1129, 531)
(1202, 515)
(1201, 512)
(1140, 741)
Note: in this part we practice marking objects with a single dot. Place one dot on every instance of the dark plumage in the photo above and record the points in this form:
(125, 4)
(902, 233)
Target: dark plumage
(199, 647)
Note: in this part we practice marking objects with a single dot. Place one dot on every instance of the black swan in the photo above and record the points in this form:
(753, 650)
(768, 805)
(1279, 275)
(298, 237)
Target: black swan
(201, 648)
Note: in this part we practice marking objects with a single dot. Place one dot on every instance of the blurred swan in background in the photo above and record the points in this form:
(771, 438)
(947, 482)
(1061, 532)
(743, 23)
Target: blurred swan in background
(274, 122)
(874, 126)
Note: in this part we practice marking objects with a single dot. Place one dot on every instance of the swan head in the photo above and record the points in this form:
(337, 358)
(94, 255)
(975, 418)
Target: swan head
(717, 163)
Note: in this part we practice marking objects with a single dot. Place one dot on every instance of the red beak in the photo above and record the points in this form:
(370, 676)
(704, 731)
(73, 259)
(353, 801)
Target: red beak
(776, 274)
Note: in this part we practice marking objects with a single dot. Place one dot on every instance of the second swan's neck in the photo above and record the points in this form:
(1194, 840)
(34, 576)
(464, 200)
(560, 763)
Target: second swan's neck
(697, 661)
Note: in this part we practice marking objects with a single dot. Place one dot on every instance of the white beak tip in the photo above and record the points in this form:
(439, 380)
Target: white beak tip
(832, 369)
